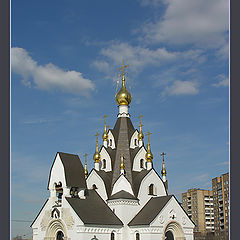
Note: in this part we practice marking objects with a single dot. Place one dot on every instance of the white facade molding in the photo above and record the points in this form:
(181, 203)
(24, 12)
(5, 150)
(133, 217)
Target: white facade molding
(111, 141)
(134, 142)
(137, 160)
(105, 156)
(122, 184)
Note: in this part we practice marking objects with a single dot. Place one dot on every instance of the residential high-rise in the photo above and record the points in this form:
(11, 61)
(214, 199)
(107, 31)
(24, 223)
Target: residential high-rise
(198, 204)
(220, 187)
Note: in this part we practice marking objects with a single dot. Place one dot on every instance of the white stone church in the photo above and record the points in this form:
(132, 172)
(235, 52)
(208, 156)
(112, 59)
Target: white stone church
(122, 198)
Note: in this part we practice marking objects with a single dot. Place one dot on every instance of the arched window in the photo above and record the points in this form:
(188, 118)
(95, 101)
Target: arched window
(150, 189)
(136, 142)
(110, 142)
(141, 163)
(60, 235)
(137, 236)
(112, 236)
(59, 191)
(104, 164)
(94, 186)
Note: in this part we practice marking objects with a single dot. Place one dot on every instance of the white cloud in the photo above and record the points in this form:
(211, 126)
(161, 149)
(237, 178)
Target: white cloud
(223, 81)
(182, 88)
(200, 22)
(49, 76)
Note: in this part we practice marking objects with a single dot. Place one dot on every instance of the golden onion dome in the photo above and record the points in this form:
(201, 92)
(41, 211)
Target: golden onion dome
(105, 136)
(149, 155)
(164, 172)
(97, 157)
(123, 97)
(140, 135)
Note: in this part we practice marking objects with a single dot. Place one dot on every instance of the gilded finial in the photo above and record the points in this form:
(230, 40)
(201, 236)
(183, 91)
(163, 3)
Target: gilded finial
(140, 134)
(105, 134)
(123, 97)
(163, 172)
(97, 156)
(85, 168)
(148, 155)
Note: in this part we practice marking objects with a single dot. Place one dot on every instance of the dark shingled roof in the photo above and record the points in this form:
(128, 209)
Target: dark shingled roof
(122, 195)
(93, 210)
(107, 178)
(137, 179)
(149, 212)
(122, 132)
(74, 171)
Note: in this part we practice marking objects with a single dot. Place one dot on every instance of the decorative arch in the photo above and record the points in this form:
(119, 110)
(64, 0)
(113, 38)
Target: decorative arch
(112, 235)
(56, 230)
(173, 230)
(137, 236)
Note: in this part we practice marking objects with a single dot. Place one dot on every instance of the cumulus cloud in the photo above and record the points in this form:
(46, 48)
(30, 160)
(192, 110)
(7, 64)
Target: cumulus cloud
(200, 22)
(49, 76)
(140, 57)
(223, 81)
(182, 88)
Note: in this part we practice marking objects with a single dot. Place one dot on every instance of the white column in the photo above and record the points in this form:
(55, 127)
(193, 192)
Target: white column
(96, 165)
(149, 165)
(123, 111)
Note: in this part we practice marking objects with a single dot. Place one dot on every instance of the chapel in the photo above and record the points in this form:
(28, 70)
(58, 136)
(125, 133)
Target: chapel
(121, 198)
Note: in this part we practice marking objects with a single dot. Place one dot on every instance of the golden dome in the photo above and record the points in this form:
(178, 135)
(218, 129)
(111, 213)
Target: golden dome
(122, 165)
(140, 135)
(149, 155)
(105, 136)
(123, 97)
(163, 172)
(97, 157)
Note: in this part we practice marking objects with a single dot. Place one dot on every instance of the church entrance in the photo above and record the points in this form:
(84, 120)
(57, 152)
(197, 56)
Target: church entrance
(60, 235)
(173, 231)
(169, 235)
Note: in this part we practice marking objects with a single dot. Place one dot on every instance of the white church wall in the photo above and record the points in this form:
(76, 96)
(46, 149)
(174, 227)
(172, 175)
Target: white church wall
(134, 140)
(124, 209)
(159, 189)
(111, 142)
(173, 216)
(104, 155)
(94, 178)
(122, 184)
(57, 173)
(136, 162)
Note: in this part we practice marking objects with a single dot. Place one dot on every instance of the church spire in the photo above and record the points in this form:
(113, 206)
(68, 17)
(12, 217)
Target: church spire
(105, 134)
(149, 155)
(85, 168)
(163, 172)
(140, 134)
(97, 156)
(123, 97)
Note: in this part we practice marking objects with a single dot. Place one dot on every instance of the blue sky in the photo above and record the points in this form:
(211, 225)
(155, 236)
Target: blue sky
(65, 57)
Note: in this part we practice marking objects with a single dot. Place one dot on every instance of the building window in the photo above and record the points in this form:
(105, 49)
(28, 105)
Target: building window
(137, 236)
(104, 164)
(150, 189)
(136, 142)
(110, 142)
(59, 191)
(141, 163)
(60, 235)
(112, 236)
(94, 186)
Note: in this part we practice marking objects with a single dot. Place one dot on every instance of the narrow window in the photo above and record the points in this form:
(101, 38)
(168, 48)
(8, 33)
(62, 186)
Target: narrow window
(104, 164)
(94, 186)
(59, 191)
(137, 236)
(112, 236)
(136, 142)
(110, 142)
(141, 163)
(150, 192)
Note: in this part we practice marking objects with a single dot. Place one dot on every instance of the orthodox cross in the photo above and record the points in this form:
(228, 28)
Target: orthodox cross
(97, 136)
(148, 136)
(85, 155)
(140, 117)
(105, 116)
(163, 154)
(122, 68)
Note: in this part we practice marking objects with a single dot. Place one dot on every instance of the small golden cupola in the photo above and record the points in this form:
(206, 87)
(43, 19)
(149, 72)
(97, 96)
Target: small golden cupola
(122, 165)
(123, 97)
(97, 156)
(163, 172)
(148, 155)
(85, 168)
(105, 134)
(140, 134)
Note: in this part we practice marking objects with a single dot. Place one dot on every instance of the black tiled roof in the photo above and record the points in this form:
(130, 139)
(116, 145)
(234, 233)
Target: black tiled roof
(93, 210)
(74, 171)
(149, 212)
(122, 195)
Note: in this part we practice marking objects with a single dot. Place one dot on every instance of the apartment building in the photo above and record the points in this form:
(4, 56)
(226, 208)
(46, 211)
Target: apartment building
(198, 204)
(220, 188)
